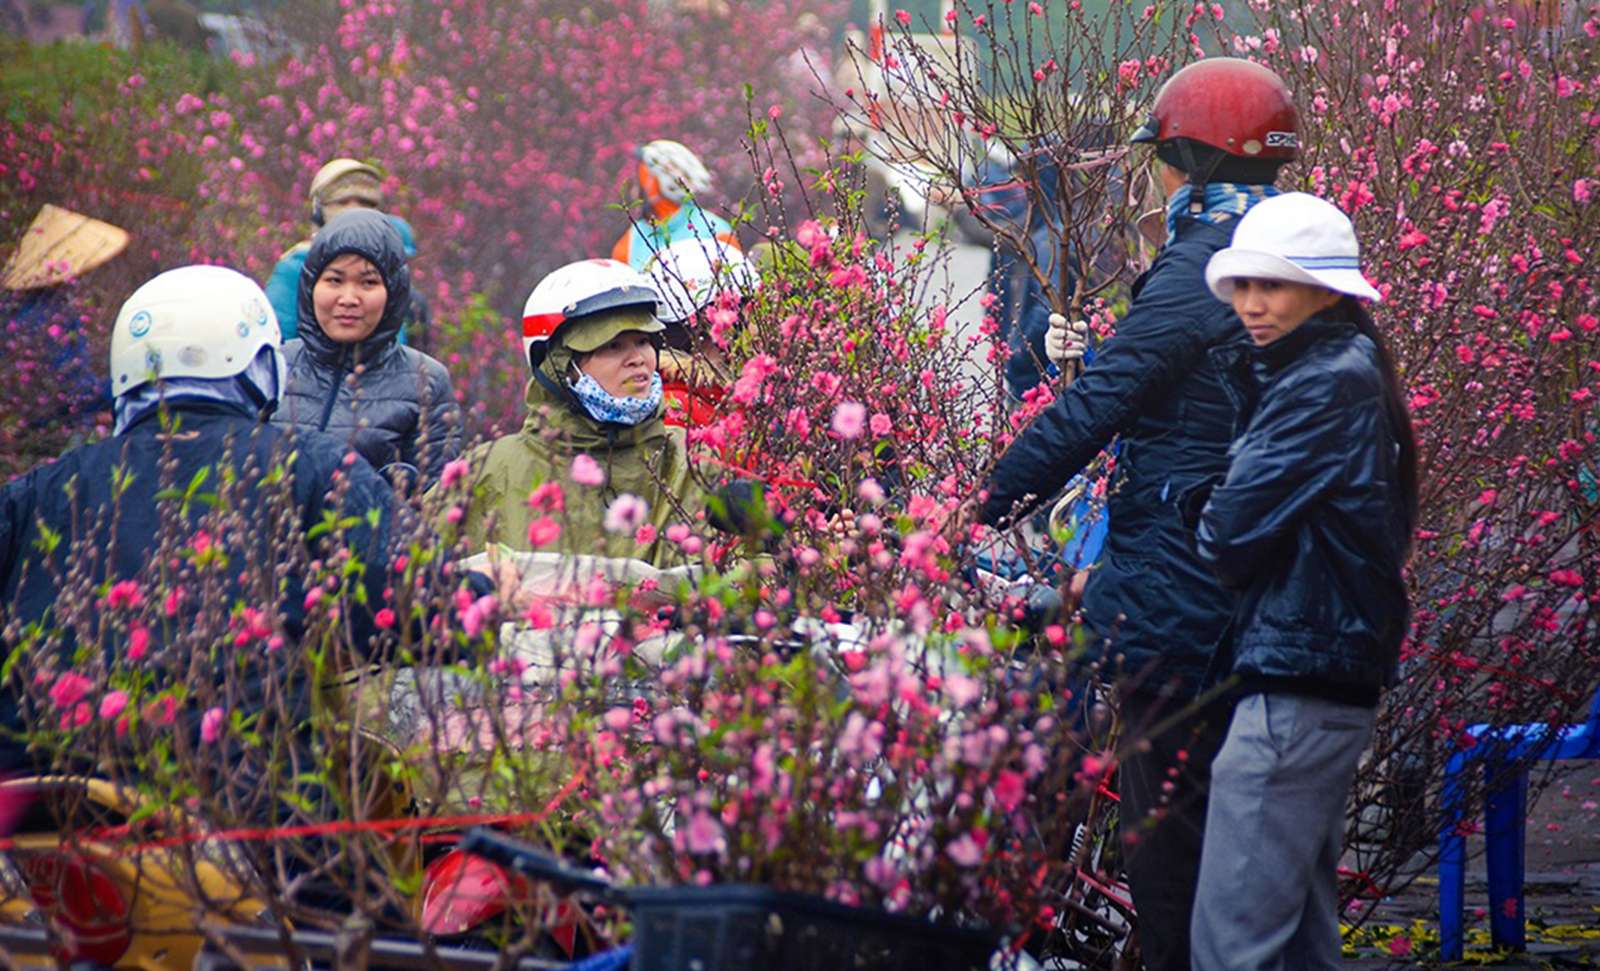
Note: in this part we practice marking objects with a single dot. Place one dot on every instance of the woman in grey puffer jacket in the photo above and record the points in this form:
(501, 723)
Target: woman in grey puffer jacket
(348, 376)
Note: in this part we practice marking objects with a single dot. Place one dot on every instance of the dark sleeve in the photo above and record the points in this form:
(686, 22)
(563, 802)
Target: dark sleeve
(1299, 446)
(1155, 346)
(439, 426)
(11, 532)
(371, 503)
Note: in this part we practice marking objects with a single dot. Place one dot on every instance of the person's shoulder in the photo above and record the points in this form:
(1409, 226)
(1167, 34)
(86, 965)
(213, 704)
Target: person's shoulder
(1339, 370)
(1177, 280)
(309, 447)
(1196, 241)
(295, 256)
(49, 476)
(1352, 359)
(701, 217)
(427, 364)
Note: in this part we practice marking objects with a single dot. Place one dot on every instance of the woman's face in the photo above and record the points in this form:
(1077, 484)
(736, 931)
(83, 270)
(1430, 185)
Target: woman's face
(624, 367)
(349, 298)
(1272, 309)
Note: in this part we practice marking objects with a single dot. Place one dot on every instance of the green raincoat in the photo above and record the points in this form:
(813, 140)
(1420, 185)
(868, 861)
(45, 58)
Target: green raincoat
(648, 460)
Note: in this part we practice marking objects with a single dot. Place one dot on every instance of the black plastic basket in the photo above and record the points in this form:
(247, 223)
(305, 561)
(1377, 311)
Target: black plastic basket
(741, 927)
(745, 927)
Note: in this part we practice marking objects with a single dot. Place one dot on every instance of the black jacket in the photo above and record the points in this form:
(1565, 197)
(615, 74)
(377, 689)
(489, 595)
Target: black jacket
(1310, 524)
(1155, 385)
(401, 395)
(212, 435)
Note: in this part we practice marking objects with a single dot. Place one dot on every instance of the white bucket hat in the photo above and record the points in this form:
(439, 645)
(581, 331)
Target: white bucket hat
(1295, 237)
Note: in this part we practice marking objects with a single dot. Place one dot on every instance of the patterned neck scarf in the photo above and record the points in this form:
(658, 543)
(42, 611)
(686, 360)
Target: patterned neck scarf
(1223, 201)
(617, 409)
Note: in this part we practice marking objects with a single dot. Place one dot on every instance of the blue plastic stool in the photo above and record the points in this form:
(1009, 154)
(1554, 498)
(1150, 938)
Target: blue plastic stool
(1505, 822)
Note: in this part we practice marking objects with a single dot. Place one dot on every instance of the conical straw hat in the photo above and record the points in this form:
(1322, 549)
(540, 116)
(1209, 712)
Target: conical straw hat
(59, 246)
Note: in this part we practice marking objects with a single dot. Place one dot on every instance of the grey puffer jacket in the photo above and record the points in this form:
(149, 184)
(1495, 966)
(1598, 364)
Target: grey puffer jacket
(390, 402)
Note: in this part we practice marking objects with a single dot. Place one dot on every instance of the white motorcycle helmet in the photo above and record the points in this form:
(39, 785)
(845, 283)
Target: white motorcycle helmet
(575, 291)
(677, 172)
(195, 321)
(691, 273)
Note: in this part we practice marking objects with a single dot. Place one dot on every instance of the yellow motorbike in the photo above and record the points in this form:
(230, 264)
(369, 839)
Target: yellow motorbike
(112, 889)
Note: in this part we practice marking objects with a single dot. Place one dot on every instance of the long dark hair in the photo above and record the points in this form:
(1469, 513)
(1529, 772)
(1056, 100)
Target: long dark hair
(1394, 399)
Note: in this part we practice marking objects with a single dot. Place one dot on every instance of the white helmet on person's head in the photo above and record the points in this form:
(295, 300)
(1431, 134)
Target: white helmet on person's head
(195, 321)
(668, 170)
(578, 290)
(691, 273)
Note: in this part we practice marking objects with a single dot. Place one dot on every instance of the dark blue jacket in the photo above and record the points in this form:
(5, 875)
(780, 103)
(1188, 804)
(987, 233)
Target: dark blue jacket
(211, 435)
(399, 407)
(1310, 524)
(1154, 384)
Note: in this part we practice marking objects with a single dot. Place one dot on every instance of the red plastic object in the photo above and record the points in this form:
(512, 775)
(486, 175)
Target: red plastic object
(82, 900)
(461, 892)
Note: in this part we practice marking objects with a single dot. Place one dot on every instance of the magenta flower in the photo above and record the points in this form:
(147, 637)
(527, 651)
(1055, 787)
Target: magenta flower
(454, 471)
(586, 471)
(543, 531)
(69, 689)
(1008, 789)
(848, 419)
(549, 497)
(124, 593)
(112, 704)
(705, 834)
(965, 851)
(626, 513)
(162, 711)
(138, 643)
(962, 690)
(211, 725)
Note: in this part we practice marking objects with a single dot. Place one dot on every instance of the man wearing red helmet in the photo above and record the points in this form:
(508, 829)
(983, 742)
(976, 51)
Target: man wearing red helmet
(1221, 129)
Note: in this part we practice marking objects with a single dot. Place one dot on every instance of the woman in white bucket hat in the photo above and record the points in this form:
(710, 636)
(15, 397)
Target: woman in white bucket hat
(1311, 528)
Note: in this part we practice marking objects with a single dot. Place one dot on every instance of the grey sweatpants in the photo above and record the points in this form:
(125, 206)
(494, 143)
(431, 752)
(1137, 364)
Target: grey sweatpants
(1268, 895)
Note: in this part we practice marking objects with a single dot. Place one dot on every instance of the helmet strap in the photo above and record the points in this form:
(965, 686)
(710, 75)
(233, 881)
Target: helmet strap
(1199, 166)
(561, 393)
(264, 405)
(1200, 173)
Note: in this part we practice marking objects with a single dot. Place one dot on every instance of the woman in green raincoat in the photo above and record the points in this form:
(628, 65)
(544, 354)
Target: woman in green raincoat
(594, 428)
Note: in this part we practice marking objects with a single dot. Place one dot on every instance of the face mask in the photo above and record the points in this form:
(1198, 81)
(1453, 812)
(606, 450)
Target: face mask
(603, 406)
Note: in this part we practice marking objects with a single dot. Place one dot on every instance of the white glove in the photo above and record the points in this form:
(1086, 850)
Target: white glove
(1065, 340)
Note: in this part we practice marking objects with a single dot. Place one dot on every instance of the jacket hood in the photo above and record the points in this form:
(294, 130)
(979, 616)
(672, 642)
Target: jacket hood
(371, 235)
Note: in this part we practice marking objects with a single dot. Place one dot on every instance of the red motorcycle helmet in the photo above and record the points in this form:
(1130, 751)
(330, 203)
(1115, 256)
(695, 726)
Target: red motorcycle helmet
(1224, 118)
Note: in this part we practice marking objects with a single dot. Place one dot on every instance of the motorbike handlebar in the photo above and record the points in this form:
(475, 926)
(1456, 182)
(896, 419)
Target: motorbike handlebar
(524, 858)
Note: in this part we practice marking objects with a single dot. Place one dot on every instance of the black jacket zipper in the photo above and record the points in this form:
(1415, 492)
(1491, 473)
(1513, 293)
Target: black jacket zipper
(333, 393)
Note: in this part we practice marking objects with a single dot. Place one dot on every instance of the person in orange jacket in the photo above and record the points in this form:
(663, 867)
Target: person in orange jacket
(670, 177)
